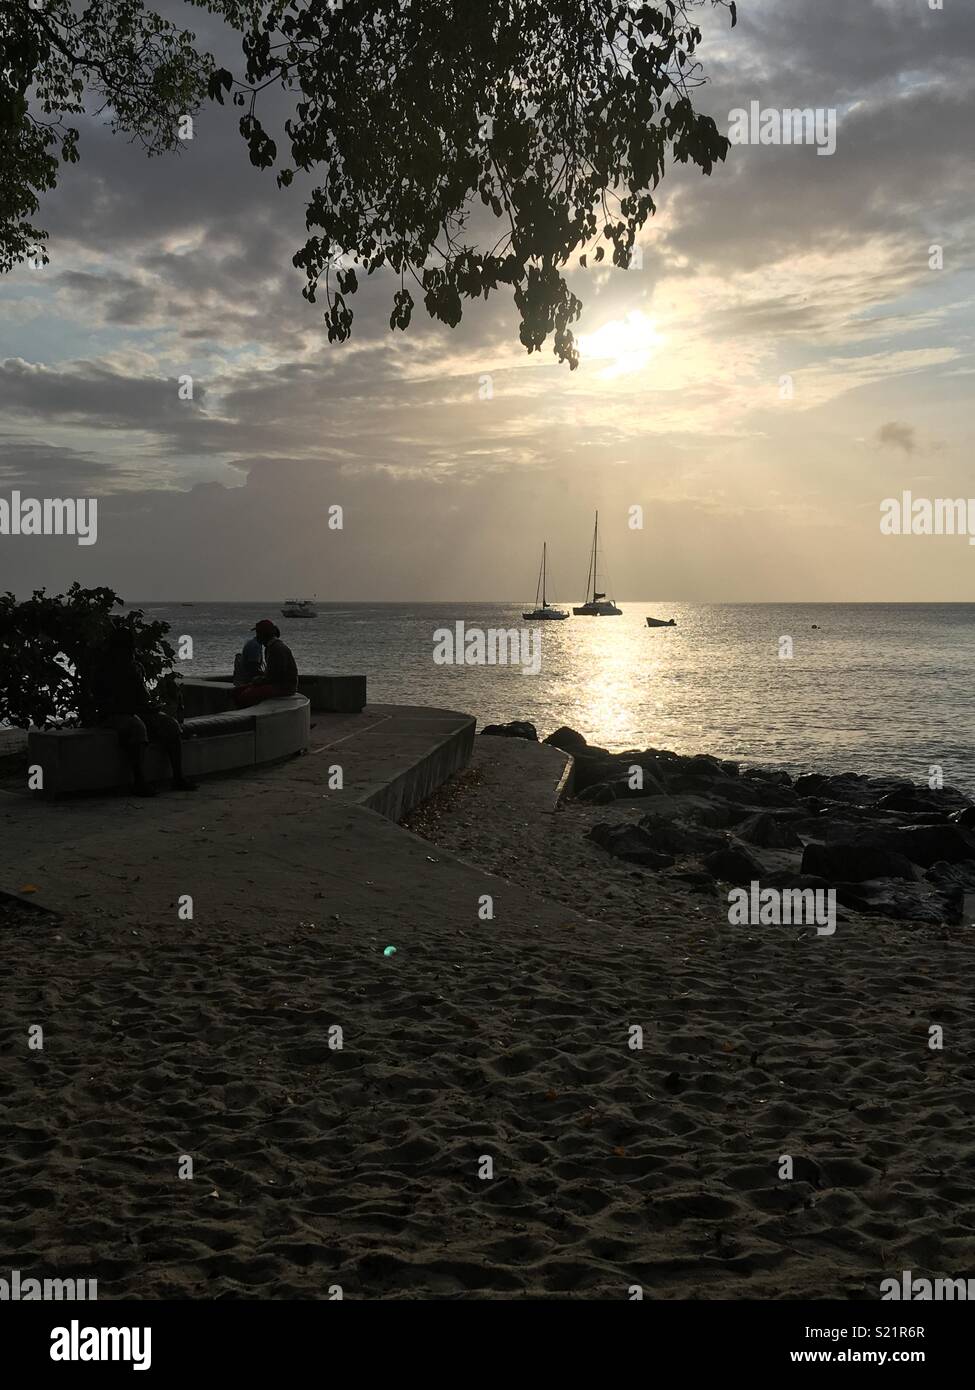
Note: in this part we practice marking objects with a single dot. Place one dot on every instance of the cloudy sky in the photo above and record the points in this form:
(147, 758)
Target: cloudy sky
(453, 453)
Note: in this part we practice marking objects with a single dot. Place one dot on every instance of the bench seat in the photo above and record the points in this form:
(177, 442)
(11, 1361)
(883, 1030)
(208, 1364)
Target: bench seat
(92, 759)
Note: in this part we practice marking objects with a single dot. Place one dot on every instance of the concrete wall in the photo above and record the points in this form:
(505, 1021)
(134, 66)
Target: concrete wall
(325, 694)
(402, 793)
(92, 759)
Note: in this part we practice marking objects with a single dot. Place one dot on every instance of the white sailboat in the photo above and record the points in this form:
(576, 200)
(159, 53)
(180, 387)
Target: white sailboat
(598, 605)
(547, 612)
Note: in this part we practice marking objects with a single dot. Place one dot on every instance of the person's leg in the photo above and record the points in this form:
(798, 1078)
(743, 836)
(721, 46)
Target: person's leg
(254, 694)
(165, 730)
(134, 738)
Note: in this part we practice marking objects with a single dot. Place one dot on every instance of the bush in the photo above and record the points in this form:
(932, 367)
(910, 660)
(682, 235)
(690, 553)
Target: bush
(49, 646)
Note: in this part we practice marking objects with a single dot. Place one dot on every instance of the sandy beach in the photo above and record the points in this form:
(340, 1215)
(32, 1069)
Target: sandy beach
(364, 1167)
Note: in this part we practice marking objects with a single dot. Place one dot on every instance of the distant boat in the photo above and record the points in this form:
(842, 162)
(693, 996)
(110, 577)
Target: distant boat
(298, 608)
(546, 612)
(596, 605)
(659, 622)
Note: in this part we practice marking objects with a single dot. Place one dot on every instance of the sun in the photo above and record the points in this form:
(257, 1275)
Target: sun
(626, 344)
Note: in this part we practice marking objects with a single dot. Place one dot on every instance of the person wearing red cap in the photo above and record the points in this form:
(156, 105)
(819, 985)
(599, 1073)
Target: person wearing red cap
(280, 676)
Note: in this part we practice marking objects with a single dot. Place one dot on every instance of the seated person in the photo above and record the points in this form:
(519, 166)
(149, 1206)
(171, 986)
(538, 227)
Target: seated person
(124, 704)
(280, 676)
(249, 664)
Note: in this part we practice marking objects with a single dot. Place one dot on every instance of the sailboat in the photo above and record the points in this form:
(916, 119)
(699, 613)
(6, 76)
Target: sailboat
(598, 606)
(546, 612)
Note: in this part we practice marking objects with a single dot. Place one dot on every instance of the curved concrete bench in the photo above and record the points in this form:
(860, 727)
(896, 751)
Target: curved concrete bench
(326, 694)
(92, 760)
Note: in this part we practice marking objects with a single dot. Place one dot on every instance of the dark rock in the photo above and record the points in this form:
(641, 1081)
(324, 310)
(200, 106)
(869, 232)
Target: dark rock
(675, 838)
(785, 878)
(568, 740)
(770, 831)
(590, 770)
(855, 861)
(518, 728)
(926, 844)
(696, 879)
(951, 876)
(811, 783)
(625, 791)
(709, 763)
(599, 794)
(718, 815)
(756, 794)
(849, 787)
(733, 864)
(774, 776)
(630, 843)
(906, 798)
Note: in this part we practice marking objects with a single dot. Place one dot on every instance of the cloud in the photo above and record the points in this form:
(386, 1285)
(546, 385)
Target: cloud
(897, 436)
(781, 263)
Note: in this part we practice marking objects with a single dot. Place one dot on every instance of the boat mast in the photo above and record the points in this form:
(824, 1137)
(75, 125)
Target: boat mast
(544, 604)
(595, 559)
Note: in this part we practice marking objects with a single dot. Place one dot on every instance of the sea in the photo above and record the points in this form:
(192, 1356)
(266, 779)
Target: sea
(876, 688)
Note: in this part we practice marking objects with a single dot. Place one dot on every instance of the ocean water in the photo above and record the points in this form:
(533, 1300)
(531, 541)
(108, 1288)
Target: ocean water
(870, 687)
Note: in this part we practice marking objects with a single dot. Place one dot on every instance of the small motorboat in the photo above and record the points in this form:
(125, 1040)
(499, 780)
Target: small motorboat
(661, 622)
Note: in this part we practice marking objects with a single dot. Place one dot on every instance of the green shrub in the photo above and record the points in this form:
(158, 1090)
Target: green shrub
(49, 646)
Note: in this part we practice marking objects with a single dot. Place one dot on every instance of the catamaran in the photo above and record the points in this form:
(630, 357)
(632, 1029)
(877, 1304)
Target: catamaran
(547, 612)
(598, 606)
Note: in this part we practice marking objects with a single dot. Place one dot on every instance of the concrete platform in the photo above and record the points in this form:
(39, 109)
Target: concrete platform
(254, 840)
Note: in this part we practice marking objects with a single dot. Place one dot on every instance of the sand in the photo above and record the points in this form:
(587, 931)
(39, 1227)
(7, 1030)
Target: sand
(611, 1167)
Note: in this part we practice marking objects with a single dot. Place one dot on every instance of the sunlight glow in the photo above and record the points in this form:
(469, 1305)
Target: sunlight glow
(626, 344)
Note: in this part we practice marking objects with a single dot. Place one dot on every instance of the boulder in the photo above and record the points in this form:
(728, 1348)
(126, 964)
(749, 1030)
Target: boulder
(675, 838)
(849, 787)
(951, 876)
(926, 844)
(770, 831)
(855, 861)
(587, 771)
(907, 797)
(756, 794)
(568, 740)
(776, 777)
(695, 879)
(733, 864)
(518, 728)
(811, 783)
(599, 794)
(630, 843)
